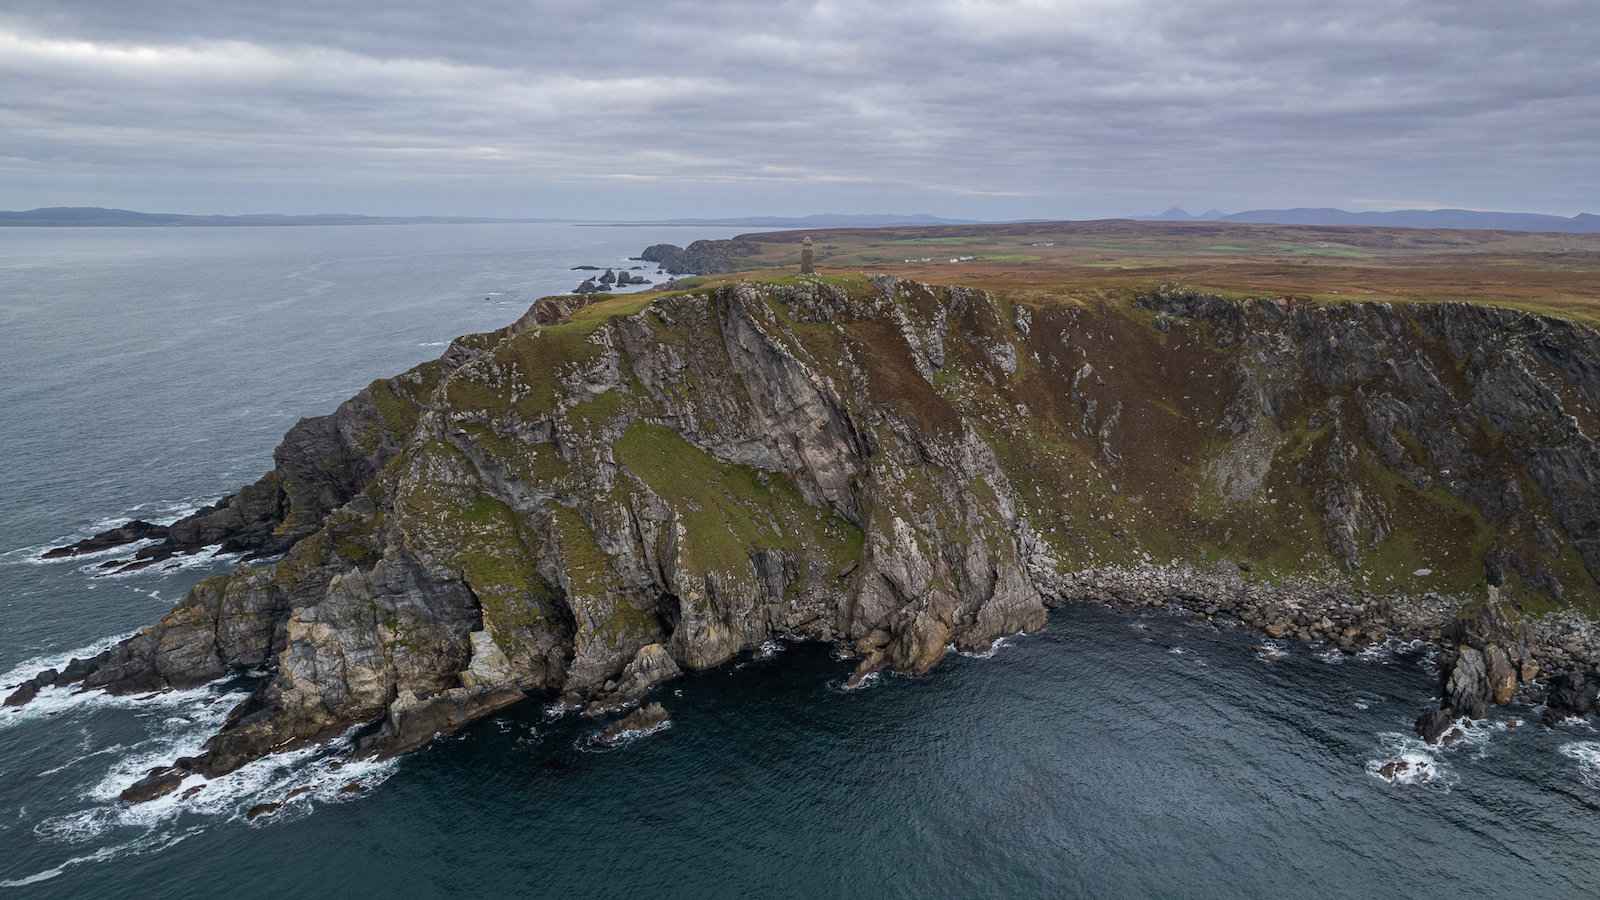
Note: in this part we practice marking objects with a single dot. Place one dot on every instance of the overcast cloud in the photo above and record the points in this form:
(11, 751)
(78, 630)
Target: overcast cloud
(990, 110)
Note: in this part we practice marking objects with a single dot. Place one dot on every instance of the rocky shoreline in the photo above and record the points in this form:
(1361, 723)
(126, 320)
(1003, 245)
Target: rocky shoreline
(581, 508)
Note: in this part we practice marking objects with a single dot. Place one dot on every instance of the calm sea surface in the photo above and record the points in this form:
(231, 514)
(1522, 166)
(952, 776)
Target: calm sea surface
(144, 372)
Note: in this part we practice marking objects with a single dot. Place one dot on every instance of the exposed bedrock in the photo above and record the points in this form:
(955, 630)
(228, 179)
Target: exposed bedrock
(586, 504)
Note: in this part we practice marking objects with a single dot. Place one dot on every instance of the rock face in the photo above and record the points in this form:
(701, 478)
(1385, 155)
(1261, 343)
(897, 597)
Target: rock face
(592, 500)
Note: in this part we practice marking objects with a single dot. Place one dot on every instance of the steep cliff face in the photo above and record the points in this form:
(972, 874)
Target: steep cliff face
(600, 496)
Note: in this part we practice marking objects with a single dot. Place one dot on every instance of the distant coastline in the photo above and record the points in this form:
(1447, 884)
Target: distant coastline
(101, 217)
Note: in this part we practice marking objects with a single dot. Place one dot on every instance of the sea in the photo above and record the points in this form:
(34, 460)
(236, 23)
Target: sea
(145, 372)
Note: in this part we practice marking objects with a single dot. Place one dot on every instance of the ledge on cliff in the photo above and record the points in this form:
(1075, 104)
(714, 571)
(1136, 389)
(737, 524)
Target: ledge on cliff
(606, 493)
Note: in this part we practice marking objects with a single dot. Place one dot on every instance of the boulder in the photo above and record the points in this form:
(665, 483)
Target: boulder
(1394, 768)
(1434, 724)
(648, 668)
(641, 720)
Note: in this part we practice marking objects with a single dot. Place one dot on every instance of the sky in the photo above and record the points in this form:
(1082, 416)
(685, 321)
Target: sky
(990, 110)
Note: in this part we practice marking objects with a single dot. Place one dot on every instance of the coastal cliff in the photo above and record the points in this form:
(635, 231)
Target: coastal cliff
(611, 491)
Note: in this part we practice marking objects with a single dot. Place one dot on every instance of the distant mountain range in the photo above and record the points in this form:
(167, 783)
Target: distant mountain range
(59, 216)
(1583, 223)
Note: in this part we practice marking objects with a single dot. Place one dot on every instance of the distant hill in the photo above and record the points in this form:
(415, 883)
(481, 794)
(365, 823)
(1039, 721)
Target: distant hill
(61, 216)
(1583, 223)
(821, 220)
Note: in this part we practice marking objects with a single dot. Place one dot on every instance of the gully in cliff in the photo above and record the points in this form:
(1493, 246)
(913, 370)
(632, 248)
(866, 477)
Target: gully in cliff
(614, 490)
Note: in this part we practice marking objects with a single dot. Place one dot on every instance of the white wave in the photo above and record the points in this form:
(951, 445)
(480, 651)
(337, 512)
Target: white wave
(296, 781)
(147, 843)
(26, 669)
(433, 344)
(53, 701)
(179, 724)
(1587, 755)
(34, 556)
(559, 709)
(1471, 734)
(1332, 656)
(769, 648)
(56, 770)
(843, 685)
(1271, 651)
(994, 647)
(202, 559)
(1385, 651)
(596, 743)
(156, 512)
(1414, 761)
(1407, 760)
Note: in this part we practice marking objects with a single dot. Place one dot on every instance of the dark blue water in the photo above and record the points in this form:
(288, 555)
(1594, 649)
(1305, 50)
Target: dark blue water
(147, 371)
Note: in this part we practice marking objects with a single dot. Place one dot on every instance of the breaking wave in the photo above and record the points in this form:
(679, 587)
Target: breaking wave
(28, 668)
(1587, 755)
(290, 784)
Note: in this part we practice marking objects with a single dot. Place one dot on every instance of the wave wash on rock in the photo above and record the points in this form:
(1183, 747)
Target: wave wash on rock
(595, 498)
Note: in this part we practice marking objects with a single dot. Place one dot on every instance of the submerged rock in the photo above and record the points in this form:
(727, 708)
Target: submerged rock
(159, 782)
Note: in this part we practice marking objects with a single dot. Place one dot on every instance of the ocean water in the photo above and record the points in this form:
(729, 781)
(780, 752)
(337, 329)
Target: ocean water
(144, 372)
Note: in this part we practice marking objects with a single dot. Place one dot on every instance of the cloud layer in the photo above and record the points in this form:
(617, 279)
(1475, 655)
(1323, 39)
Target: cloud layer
(991, 109)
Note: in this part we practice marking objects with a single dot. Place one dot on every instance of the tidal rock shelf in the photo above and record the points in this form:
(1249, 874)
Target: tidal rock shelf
(614, 490)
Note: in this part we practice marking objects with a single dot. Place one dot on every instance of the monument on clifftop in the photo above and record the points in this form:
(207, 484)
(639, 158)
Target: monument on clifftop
(808, 258)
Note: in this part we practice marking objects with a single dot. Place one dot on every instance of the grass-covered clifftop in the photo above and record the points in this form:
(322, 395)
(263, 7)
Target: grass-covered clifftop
(1556, 274)
(602, 493)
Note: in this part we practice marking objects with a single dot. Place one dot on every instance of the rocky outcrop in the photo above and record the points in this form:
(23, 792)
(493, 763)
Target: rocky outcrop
(641, 721)
(582, 506)
(1485, 660)
(701, 257)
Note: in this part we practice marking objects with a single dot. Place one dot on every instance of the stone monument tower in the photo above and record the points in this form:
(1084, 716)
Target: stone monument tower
(808, 258)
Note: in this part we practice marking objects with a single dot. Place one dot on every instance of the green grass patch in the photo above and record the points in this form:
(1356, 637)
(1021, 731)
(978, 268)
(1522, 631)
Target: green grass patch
(730, 511)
